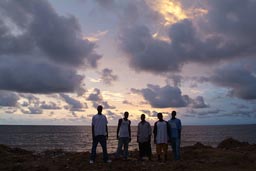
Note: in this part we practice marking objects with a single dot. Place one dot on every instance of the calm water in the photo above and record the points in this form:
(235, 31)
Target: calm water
(78, 138)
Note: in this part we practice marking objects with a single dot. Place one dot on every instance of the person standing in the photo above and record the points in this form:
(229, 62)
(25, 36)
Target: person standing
(144, 138)
(123, 135)
(99, 135)
(175, 135)
(161, 136)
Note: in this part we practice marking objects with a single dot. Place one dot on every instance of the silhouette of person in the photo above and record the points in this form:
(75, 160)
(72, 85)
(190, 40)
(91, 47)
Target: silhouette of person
(175, 135)
(123, 135)
(161, 136)
(144, 138)
(99, 135)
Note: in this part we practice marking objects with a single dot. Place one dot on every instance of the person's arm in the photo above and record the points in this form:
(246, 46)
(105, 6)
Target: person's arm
(155, 132)
(118, 128)
(149, 132)
(129, 130)
(138, 132)
(169, 131)
(179, 129)
(107, 132)
(93, 132)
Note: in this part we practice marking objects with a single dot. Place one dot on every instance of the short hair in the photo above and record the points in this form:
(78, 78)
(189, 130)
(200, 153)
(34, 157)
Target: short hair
(174, 113)
(99, 107)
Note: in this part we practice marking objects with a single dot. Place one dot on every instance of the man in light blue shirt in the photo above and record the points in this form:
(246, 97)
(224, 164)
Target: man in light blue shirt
(175, 134)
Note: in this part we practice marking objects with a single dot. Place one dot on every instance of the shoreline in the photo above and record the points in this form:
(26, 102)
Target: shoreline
(230, 154)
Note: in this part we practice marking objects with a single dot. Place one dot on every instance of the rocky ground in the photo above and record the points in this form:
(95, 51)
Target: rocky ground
(230, 155)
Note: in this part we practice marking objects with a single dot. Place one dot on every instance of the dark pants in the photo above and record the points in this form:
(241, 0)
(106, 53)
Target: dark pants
(122, 141)
(145, 149)
(176, 148)
(103, 142)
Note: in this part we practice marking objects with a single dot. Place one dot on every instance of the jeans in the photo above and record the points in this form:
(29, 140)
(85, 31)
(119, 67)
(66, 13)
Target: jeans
(103, 142)
(145, 149)
(176, 148)
(122, 141)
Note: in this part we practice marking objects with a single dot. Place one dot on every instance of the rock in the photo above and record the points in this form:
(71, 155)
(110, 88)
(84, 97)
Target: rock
(231, 143)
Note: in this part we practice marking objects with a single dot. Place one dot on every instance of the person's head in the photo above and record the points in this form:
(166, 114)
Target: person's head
(173, 114)
(142, 117)
(99, 108)
(126, 115)
(160, 116)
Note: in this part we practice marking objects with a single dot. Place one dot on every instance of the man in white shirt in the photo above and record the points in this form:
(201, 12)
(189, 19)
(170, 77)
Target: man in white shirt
(144, 138)
(123, 135)
(161, 136)
(99, 135)
(175, 134)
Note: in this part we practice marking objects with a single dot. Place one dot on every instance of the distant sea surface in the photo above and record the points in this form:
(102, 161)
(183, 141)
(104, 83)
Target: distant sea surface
(78, 138)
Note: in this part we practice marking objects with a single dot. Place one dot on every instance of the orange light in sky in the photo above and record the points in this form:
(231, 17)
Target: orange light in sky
(171, 10)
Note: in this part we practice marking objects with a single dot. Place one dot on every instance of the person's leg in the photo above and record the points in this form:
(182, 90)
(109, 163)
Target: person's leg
(103, 143)
(126, 143)
(177, 149)
(141, 150)
(94, 146)
(119, 147)
(174, 148)
(165, 149)
(158, 151)
(148, 150)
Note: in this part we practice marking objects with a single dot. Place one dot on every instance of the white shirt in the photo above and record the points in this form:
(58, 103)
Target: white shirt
(144, 131)
(99, 122)
(124, 128)
(161, 134)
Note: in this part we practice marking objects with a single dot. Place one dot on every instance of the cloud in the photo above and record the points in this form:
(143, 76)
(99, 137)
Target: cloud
(49, 106)
(31, 76)
(107, 76)
(239, 77)
(219, 35)
(97, 99)
(74, 104)
(32, 110)
(168, 96)
(8, 98)
(40, 51)
(95, 96)
(163, 97)
(127, 102)
(198, 102)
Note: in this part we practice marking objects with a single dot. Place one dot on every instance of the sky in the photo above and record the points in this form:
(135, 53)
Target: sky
(60, 59)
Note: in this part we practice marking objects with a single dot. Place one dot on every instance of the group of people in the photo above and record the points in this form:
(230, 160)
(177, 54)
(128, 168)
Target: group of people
(165, 132)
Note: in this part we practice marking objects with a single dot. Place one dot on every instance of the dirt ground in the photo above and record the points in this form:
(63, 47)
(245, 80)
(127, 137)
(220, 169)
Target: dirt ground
(230, 155)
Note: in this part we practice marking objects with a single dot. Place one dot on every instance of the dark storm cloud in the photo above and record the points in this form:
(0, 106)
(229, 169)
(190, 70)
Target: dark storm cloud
(39, 48)
(108, 77)
(32, 76)
(240, 77)
(226, 32)
(8, 98)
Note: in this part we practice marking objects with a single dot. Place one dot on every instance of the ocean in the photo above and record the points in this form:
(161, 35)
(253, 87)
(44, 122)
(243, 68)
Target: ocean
(78, 138)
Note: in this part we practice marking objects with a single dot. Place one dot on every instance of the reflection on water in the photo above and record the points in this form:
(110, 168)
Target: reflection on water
(78, 138)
